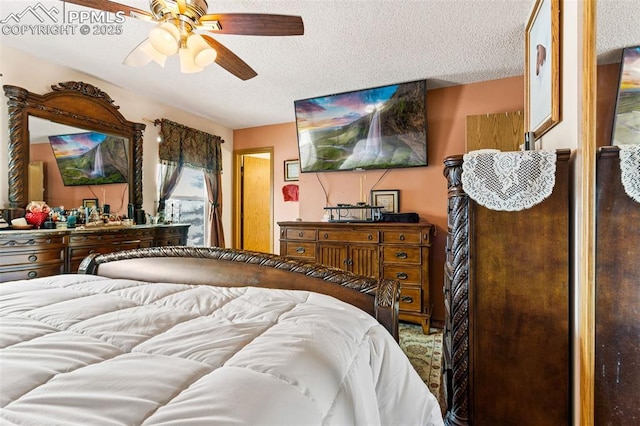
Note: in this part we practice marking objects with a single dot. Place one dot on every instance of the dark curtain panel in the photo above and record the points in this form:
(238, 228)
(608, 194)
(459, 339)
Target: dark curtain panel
(171, 174)
(214, 191)
(184, 146)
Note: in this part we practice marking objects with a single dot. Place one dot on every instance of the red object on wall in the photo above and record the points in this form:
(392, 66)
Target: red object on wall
(290, 192)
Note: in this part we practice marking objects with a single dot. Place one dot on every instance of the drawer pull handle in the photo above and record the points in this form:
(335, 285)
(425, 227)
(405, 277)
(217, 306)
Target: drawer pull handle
(402, 276)
(32, 274)
(401, 255)
(48, 241)
(406, 299)
(32, 258)
(326, 235)
(92, 251)
(31, 242)
(300, 234)
(401, 237)
(300, 250)
(370, 237)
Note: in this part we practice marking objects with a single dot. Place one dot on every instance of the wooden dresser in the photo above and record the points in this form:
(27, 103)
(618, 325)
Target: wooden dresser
(43, 252)
(398, 251)
(507, 342)
(617, 296)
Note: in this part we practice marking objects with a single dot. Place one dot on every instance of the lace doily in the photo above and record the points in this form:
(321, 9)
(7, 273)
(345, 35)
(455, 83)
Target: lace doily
(630, 170)
(509, 181)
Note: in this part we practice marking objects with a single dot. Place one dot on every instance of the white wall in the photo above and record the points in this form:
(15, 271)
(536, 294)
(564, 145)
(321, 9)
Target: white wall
(37, 76)
(568, 134)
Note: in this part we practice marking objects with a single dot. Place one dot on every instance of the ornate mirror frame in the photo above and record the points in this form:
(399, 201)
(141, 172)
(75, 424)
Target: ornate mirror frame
(72, 103)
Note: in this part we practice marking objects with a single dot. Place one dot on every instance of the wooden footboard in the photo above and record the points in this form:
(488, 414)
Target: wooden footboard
(238, 268)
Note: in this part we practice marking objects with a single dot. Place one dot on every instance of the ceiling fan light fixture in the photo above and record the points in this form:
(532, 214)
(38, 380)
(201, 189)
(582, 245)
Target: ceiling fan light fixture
(137, 58)
(153, 54)
(187, 64)
(165, 38)
(143, 54)
(203, 54)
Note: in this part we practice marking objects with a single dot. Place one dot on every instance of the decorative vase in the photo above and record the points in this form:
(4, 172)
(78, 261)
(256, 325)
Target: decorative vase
(36, 218)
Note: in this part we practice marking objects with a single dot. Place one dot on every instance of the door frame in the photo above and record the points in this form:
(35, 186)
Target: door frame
(238, 157)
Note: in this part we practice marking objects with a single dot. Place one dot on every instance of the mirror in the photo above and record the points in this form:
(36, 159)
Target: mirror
(68, 165)
(69, 108)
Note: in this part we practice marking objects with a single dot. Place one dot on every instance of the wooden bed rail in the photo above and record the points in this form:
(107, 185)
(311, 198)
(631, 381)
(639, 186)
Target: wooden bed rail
(239, 268)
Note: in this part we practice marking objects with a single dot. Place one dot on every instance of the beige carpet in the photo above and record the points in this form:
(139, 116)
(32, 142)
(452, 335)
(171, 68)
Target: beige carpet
(425, 354)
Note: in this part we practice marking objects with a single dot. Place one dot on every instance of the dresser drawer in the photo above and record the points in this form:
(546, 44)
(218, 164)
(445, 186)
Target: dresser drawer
(349, 236)
(176, 241)
(410, 299)
(31, 271)
(401, 254)
(406, 274)
(168, 237)
(301, 250)
(93, 239)
(35, 242)
(305, 234)
(31, 257)
(83, 251)
(410, 237)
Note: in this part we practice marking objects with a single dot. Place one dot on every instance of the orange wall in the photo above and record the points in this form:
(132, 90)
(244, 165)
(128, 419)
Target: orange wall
(283, 139)
(56, 194)
(422, 190)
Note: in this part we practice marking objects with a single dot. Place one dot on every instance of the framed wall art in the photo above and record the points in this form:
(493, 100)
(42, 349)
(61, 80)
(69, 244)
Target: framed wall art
(291, 170)
(542, 67)
(388, 199)
(626, 126)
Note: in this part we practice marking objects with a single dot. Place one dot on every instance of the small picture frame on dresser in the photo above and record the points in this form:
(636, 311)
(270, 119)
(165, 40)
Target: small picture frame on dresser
(388, 199)
(90, 203)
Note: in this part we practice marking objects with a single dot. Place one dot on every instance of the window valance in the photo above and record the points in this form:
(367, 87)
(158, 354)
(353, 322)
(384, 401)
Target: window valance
(187, 146)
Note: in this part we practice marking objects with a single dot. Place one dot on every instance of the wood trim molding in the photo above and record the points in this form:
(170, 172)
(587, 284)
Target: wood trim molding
(238, 155)
(587, 224)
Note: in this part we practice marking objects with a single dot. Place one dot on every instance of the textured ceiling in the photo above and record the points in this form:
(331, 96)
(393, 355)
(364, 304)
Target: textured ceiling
(347, 45)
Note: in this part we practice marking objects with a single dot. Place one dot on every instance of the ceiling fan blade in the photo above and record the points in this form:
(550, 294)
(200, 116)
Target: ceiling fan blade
(255, 24)
(229, 61)
(113, 7)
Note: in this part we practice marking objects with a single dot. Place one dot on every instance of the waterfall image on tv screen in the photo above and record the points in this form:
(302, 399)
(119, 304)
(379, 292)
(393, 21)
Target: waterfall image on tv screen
(377, 128)
(91, 158)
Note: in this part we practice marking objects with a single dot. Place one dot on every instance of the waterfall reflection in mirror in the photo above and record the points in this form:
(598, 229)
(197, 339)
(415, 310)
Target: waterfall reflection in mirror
(81, 158)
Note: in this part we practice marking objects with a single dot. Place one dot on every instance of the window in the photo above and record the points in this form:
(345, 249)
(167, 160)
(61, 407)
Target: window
(189, 204)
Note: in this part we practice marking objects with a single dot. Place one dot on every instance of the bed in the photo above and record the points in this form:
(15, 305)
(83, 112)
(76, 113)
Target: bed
(183, 335)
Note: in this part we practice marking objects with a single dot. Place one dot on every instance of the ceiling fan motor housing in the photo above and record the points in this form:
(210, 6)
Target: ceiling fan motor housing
(167, 9)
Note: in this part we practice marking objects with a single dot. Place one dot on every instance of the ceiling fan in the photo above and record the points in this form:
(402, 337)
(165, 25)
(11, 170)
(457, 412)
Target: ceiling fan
(184, 27)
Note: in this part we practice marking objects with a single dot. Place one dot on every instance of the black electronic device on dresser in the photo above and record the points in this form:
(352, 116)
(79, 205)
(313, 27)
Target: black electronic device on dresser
(507, 291)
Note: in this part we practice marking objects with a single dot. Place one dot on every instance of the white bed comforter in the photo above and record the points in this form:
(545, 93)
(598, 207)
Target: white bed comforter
(86, 350)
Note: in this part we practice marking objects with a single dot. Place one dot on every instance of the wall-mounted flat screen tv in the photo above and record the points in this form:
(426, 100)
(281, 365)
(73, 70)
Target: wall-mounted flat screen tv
(91, 158)
(627, 114)
(378, 128)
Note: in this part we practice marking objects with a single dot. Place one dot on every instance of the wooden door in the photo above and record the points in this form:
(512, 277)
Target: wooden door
(256, 204)
(36, 181)
(503, 131)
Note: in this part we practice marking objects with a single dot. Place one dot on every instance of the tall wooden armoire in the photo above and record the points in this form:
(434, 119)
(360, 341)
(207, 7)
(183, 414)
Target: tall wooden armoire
(617, 297)
(508, 308)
